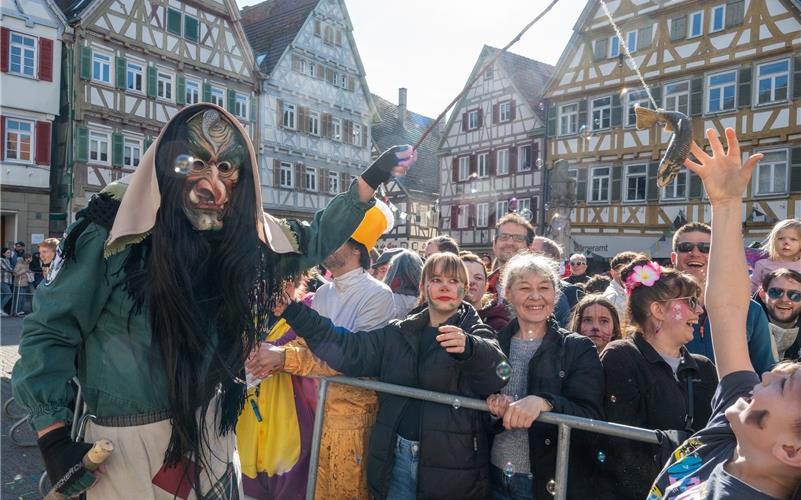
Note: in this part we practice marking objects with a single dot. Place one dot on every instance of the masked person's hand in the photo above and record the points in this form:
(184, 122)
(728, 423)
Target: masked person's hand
(394, 162)
(63, 460)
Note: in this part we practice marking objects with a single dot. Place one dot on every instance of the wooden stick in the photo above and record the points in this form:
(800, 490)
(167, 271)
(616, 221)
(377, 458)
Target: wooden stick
(93, 459)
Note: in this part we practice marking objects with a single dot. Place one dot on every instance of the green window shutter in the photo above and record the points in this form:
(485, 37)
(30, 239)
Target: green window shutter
(180, 92)
(231, 100)
(148, 142)
(552, 110)
(253, 109)
(121, 77)
(174, 21)
(696, 96)
(82, 144)
(652, 190)
(206, 92)
(617, 181)
(744, 84)
(191, 28)
(151, 81)
(117, 142)
(795, 170)
(86, 63)
(617, 111)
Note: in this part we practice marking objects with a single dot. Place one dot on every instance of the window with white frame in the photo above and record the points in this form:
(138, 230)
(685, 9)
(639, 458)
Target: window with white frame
(343, 81)
(771, 174)
(289, 115)
(18, 141)
(635, 97)
(524, 157)
(568, 119)
(772, 80)
(483, 164)
(464, 168)
(241, 106)
(696, 24)
(502, 164)
(314, 123)
(98, 147)
(164, 85)
(312, 70)
(192, 92)
(718, 21)
(336, 129)
(488, 73)
(501, 207)
(22, 51)
(721, 89)
(134, 73)
(285, 176)
(677, 189)
(599, 184)
(677, 97)
(472, 119)
(131, 153)
(464, 216)
(523, 204)
(333, 182)
(601, 113)
(357, 135)
(218, 96)
(311, 178)
(482, 214)
(614, 46)
(101, 67)
(636, 183)
(631, 41)
(505, 111)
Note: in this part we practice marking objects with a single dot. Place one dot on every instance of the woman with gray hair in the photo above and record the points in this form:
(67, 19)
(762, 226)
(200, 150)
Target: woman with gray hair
(550, 369)
(403, 277)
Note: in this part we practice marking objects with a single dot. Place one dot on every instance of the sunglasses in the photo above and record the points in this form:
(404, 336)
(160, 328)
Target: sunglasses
(777, 293)
(579, 263)
(692, 301)
(687, 247)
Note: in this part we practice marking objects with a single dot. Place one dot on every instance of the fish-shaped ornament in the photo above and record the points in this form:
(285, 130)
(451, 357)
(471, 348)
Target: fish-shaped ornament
(680, 126)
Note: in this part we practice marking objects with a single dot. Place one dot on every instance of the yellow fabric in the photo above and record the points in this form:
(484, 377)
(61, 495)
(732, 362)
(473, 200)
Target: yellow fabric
(374, 224)
(271, 446)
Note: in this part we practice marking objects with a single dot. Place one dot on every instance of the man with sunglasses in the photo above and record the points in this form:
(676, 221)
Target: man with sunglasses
(780, 296)
(691, 255)
(578, 269)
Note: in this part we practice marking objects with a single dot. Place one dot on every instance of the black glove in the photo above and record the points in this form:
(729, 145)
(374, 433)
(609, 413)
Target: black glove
(381, 169)
(63, 461)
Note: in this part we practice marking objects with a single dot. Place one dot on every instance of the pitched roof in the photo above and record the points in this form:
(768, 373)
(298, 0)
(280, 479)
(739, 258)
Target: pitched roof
(272, 25)
(72, 8)
(389, 131)
(527, 75)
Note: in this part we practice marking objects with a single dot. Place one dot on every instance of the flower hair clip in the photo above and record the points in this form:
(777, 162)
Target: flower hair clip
(647, 275)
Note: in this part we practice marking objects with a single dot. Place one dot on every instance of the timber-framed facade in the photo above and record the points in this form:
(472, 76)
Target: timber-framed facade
(725, 63)
(130, 66)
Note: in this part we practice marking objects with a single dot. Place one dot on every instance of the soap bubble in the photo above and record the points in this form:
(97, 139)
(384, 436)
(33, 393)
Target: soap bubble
(585, 132)
(503, 370)
(508, 469)
(601, 456)
(403, 216)
(526, 214)
(551, 487)
(541, 105)
(538, 163)
(183, 164)
(456, 404)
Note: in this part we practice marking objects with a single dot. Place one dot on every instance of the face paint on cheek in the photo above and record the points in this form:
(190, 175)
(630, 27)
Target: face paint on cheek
(677, 315)
(460, 291)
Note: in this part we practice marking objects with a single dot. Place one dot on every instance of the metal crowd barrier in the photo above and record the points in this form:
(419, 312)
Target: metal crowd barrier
(564, 423)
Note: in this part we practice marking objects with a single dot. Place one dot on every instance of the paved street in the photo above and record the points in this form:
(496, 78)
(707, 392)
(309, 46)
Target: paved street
(21, 466)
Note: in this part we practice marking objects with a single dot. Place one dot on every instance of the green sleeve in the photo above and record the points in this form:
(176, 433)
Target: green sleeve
(330, 228)
(64, 311)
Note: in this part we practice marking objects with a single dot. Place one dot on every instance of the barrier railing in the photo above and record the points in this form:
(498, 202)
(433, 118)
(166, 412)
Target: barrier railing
(563, 422)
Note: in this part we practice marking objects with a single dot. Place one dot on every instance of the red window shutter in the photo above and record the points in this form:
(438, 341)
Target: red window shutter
(513, 106)
(5, 38)
(455, 169)
(454, 217)
(473, 165)
(46, 59)
(2, 135)
(495, 113)
(513, 159)
(535, 154)
(464, 122)
(480, 117)
(43, 138)
(493, 159)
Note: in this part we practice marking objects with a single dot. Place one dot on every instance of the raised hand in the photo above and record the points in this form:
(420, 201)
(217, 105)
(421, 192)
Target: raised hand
(452, 339)
(724, 175)
(395, 161)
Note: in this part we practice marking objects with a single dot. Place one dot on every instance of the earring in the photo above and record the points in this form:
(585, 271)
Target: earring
(658, 327)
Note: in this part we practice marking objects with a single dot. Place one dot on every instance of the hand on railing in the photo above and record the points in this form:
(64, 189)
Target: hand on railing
(522, 413)
(498, 403)
(264, 360)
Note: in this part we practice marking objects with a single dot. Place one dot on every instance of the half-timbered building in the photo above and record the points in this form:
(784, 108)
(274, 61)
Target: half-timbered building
(490, 156)
(414, 196)
(315, 105)
(30, 72)
(130, 66)
(725, 63)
